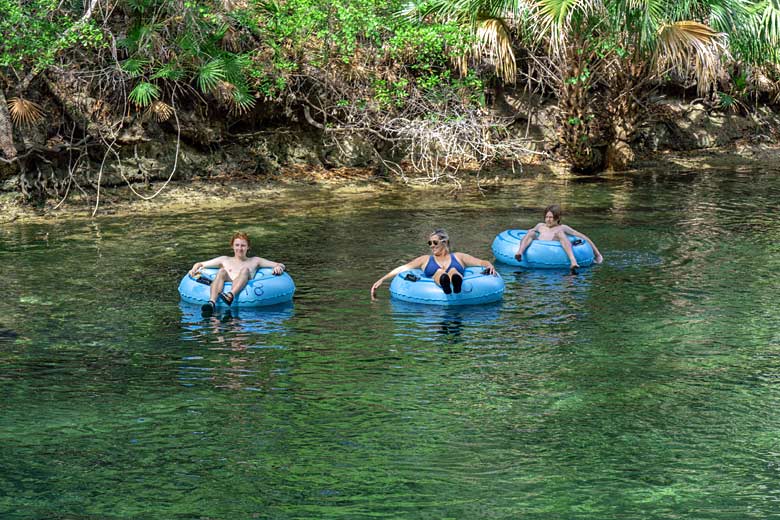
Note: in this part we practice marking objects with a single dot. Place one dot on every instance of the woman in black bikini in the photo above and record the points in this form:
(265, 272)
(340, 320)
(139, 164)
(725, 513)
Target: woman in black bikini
(445, 268)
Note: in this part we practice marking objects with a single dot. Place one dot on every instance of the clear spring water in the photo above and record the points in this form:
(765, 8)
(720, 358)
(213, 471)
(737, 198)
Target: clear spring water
(647, 387)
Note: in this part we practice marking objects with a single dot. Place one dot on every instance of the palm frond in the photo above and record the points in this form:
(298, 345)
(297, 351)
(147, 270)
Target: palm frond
(555, 20)
(688, 45)
(134, 66)
(168, 71)
(460, 10)
(770, 22)
(560, 12)
(494, 41)
(24, 111)
(729, 15)
(144, 93)
(160, 110)
(242, 101)
(210, 74)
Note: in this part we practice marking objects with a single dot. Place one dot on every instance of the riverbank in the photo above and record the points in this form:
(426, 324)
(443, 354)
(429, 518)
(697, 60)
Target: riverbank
(220, 193)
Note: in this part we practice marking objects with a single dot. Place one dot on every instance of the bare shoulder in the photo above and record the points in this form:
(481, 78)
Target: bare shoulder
(568, 229)
(418, 262)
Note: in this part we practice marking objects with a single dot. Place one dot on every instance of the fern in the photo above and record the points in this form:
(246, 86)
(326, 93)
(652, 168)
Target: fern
(144, 93)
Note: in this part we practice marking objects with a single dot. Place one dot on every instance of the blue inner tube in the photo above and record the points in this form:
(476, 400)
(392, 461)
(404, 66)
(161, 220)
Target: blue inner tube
(477, 288)
(541, 254)
(264, 289)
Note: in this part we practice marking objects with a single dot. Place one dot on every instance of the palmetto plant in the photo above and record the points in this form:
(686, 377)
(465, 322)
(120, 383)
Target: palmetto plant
(602, 56)
(25, 112)
(168, 45)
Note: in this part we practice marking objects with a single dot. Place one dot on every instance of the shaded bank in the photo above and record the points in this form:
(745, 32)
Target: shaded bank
(221, 193)
(199, 149)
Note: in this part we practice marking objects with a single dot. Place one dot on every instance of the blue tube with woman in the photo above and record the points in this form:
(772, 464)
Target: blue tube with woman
(444, 277)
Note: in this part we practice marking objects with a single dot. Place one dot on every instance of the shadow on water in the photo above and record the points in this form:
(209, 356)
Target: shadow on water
(7, 335)
(432, 322)
(551, 295)
(257, 320)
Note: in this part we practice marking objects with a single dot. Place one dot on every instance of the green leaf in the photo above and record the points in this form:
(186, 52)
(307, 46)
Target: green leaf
(210, 75)
(144, 93)
(134, 66)
(168, 71)
(243, 101)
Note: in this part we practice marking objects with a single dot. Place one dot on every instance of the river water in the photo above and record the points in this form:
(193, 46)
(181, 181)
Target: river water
(647, 387)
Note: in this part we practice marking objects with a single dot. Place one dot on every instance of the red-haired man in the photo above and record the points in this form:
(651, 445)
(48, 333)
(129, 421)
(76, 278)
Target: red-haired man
(238, 269)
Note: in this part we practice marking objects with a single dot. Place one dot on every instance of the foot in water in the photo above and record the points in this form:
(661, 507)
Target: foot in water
(208, 309)
(444, 281)
(573, 269)
(457, 282)
(227, 297)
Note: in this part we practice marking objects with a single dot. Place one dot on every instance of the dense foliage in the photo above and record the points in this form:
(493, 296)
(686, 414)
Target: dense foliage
(231, 52)
(404, 72)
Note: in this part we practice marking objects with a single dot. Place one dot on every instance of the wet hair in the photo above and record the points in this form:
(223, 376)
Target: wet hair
(442, 234)
(242, 236)
(555, 210)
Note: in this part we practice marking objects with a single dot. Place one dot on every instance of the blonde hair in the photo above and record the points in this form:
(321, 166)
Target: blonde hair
(443, 236)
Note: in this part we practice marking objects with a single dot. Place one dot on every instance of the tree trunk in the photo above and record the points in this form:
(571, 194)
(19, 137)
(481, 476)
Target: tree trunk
(620, 155)
(625, 111)
(578, 128)
(7, 146)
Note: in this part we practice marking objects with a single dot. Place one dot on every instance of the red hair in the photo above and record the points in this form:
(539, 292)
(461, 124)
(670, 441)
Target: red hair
(242, 236)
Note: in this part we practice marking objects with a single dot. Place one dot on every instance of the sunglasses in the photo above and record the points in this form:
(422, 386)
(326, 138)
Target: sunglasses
(434, 242)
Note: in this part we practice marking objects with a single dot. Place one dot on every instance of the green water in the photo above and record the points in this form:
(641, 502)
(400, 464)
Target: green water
(647, 387)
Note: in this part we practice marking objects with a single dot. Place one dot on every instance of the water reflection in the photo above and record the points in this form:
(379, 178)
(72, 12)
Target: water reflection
(432, 322)
(634, 260)
(258, 320)
(551, 295)
(230, 347)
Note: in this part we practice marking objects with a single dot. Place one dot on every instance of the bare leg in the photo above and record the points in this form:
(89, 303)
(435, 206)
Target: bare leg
(442, 279)
(218, 284)
(524, 243)
(240, 282)
(564, 240)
